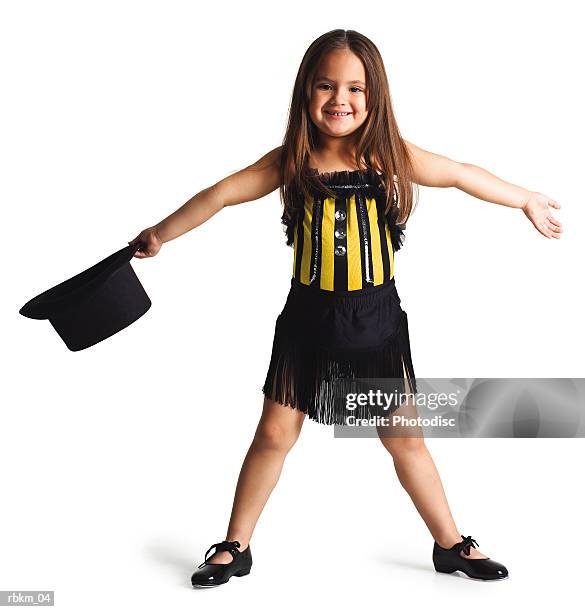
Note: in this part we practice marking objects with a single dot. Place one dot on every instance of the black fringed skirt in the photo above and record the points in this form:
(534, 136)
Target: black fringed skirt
(323, 338)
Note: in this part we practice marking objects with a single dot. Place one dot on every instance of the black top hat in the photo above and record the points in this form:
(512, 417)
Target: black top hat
(94, 304)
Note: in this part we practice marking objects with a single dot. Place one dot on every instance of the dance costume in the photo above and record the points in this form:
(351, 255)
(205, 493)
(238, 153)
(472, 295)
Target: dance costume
(342, 318)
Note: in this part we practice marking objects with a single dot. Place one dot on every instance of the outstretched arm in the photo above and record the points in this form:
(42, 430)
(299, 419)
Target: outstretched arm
(434, 170)
(251, 183)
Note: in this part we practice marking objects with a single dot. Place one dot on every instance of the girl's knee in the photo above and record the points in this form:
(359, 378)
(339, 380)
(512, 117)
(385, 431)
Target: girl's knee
(401, 446)
(275, 436)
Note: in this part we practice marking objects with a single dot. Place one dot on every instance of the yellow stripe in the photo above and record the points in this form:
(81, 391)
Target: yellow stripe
(390, 251)
(307, 242)
(391, 260)
(375, 241)
(295, 250)
(354, 259)
(327, 244)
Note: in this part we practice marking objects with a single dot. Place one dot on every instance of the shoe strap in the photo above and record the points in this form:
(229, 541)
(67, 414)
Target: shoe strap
(466, 544)
(226, 545)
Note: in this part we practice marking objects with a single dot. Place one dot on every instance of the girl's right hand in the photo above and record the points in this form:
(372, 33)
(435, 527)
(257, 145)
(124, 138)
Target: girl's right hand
(151, 243)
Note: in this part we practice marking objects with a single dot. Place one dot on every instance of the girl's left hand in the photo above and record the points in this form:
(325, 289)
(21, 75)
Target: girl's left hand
(536, 209)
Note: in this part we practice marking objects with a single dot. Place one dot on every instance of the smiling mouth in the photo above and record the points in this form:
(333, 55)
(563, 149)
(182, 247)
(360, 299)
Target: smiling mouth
(337, 114)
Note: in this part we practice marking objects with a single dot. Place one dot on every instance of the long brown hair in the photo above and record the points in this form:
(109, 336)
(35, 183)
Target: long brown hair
(380, 144)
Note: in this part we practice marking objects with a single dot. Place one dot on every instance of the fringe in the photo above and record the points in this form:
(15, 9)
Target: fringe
(396, 230)
(344, 184)
(314, 379)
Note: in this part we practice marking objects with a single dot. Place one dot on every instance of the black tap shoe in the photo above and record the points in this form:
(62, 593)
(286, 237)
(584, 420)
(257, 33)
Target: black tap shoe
(212, 574)
(448, 560)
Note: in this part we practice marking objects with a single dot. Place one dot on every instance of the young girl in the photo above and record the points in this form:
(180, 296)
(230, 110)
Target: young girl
(346, 178)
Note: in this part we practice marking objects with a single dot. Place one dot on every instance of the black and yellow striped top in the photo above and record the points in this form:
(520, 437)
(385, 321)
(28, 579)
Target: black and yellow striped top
(346, 243)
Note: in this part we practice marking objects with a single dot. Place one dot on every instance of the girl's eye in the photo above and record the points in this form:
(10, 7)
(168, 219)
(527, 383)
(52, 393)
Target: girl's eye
(326, 85)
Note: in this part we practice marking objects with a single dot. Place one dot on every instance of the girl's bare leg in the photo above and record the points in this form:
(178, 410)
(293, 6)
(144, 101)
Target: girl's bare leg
(278, 429)
(418, 475)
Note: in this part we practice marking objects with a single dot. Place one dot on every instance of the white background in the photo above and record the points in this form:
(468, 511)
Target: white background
(119, 463)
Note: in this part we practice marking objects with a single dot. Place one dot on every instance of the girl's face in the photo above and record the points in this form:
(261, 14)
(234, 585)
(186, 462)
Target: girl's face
(339, 86)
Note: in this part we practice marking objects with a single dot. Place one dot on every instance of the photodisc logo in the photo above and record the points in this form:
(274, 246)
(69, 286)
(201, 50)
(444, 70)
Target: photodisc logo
(381, 408)
(461, 407)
